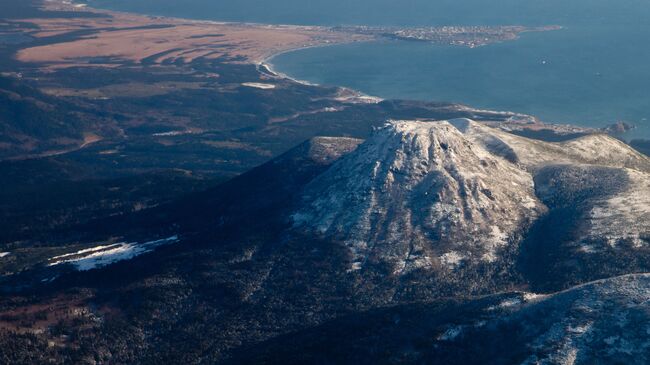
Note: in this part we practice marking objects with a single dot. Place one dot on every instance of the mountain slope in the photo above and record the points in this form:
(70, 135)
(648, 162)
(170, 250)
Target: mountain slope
(600, 322)
(32, 122)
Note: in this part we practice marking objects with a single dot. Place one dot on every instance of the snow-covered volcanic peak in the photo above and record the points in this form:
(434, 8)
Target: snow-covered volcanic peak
(420, 194)
(531, 154)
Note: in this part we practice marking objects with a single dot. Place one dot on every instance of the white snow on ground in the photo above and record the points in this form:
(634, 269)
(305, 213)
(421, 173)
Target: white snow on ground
(624, 216)
(452, 259)
(356, 266)
(85, 251)
(451, 333)
(510, 303)
(516, 302)
(257, 85)
(452, 194)
(532, 297)
(592, 149)
(172, 133)
(3, 254)
(105, 255)
(600, 314)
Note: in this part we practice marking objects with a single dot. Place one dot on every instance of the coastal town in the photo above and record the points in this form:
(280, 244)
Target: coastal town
(466, 36)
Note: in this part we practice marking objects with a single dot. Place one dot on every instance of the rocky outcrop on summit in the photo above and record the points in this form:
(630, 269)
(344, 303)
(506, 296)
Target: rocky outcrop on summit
(322, 150)
(533, 154)
(413, 184)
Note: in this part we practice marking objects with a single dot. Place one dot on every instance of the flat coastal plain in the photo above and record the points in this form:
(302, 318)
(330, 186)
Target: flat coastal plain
(109, 39)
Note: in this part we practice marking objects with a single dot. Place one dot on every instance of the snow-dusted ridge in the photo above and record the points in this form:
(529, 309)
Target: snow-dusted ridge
(597, 320)
(604, 321)
(104, 255)
(624, 216)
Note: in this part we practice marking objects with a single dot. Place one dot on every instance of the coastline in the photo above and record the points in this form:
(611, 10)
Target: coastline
(356, 95)
(264, 59)
(321, 37)
(267, 63)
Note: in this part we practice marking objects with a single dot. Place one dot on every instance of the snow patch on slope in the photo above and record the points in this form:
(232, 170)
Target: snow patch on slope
(600, 315)
(452, 259)
(604, 321)
(100, 256)
(258, 85)
(625, 216)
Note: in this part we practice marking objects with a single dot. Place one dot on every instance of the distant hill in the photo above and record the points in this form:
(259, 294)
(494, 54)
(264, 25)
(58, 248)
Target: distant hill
(34, 123)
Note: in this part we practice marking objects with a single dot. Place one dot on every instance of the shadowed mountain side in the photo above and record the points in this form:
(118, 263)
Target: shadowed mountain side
(601, 322)
(597, 226)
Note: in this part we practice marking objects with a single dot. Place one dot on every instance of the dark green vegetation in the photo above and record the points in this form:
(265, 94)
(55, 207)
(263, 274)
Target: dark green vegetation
(31, 118)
